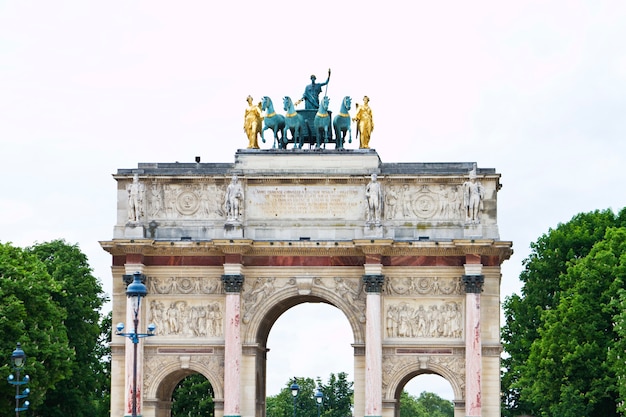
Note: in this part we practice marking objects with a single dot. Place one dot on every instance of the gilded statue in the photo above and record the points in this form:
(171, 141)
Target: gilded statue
(253, 123)
(364, 123)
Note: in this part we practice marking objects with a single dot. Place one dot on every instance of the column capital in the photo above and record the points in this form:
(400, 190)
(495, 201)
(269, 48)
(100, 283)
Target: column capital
(473, 283)
(373, 283)
(232, 282)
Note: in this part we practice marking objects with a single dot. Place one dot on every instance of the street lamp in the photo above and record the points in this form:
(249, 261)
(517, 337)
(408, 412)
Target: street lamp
(319, 399)
(135, 291)
(295, 389)
(18, 359)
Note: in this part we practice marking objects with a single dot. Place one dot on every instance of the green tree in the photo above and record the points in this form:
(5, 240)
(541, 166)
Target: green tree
(561, 318)
(82, 297)
(428, 404)
(193, 397)
(29, 315)
(337, 398)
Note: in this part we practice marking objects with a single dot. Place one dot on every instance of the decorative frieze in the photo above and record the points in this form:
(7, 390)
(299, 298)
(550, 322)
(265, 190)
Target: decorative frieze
(411, 286)
(184, 285)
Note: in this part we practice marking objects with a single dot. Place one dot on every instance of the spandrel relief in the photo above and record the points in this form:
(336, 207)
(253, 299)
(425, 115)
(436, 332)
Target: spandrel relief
(410, 286)
(424, 320)
(183, 318)
(392, 365)
(186, 201)
(184, 285)
(258, 291)
(350, 290)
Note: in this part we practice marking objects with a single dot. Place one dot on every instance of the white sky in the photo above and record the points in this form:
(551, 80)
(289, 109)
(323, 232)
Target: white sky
(534, 89)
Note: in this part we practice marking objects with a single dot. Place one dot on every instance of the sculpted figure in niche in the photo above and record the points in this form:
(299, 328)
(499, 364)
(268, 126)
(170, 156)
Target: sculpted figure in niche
(234, 199)
(473, 195)
(135, 199)
(252, 123)
(374, 196)
(364, 122)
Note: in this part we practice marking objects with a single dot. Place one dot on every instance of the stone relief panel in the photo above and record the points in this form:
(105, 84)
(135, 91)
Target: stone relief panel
(461, 202)
(186, 318)
(186, 201)
(184, 285)
(424, 320)
(423, 286)
(447, 366)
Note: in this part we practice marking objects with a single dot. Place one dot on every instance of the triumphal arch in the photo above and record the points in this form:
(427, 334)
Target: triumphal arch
(409, 252)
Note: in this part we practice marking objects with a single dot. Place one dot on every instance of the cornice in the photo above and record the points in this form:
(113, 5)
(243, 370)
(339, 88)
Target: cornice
(358, 247)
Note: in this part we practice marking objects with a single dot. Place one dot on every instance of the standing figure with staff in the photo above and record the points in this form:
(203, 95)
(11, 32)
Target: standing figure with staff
(311, 96)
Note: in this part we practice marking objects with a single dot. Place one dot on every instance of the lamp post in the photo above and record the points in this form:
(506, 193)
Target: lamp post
(295, 389)
(319, 399)
(18, 359)
(135, 291)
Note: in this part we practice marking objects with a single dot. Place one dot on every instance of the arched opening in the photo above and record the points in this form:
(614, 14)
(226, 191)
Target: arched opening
(427, 394)
(308, 340)
(193, 397)
(185, 393)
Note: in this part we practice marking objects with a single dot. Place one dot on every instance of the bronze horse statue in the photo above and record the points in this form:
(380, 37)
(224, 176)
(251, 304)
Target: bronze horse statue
(321, 123)
(275, 122)
(341, 124)
(294, 123)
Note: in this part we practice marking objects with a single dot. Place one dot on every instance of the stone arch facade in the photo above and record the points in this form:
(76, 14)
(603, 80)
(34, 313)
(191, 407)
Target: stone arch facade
(418, 280)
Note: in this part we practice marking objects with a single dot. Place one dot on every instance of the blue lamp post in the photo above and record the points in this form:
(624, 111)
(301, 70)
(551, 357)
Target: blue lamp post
(18, 359)
(135, 291)
(319, 399)
(295, 389)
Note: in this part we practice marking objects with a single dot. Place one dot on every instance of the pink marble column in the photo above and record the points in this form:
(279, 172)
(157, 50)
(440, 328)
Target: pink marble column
(129, 361)
(232, 349)
(373, 346)
(473, 345)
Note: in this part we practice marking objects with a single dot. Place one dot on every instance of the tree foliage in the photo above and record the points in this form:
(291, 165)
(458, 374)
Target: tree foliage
(337, 398)
(559, 331)
(428, 404)
(50, 302)
(193, 397)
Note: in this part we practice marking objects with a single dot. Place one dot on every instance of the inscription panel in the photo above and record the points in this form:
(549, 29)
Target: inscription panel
(306, 202)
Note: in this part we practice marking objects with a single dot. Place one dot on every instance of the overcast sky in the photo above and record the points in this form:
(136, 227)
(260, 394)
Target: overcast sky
(534, 89)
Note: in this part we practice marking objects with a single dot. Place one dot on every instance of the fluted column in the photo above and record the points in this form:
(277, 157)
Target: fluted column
(473, 281)
(233, 282)
(373, 282)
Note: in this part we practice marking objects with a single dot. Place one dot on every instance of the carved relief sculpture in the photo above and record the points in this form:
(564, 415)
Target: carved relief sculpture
(181, 318)
(442, 320)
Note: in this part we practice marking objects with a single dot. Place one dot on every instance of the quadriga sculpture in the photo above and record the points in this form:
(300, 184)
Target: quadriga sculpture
(275, 122)
(294, 123)
(341, 123)
(321, 123)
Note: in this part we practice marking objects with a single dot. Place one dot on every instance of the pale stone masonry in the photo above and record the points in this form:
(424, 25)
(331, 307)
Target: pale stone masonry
(226, 248)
